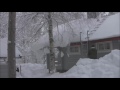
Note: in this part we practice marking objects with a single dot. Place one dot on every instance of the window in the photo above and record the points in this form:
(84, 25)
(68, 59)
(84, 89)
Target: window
(119, 43)
(107, 46)
(104, 46)
(101, 46)
(74, 49)
(84, 46)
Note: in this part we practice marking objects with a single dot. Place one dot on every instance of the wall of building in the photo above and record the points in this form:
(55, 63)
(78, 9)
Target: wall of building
(71, 59)
(116, 44)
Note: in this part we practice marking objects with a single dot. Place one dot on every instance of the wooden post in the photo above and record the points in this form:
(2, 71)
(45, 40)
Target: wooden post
(87, 42)
(11, 45)
(81, 45)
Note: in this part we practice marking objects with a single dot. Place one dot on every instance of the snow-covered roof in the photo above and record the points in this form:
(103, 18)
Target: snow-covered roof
(3, 48)
(70, 32)
(109, 28)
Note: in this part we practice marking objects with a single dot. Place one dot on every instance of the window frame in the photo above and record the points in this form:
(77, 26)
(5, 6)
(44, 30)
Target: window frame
(119, 44)
(74, 48)
(104, 50)
(84, 47)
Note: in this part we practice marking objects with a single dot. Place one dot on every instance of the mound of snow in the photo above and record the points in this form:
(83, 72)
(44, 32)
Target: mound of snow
(104, 67)
(113, 58)
(30, 70)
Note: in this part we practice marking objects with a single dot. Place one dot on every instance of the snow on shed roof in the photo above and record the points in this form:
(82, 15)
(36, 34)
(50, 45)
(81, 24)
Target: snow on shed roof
(3, 48)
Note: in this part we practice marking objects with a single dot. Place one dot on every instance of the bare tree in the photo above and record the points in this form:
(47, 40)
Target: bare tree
(52, 54)
(4, 24)
(54, 19)
(32, 25)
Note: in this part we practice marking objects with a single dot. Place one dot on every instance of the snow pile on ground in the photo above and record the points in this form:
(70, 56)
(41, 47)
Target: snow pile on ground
(30, 70)
(104, 67)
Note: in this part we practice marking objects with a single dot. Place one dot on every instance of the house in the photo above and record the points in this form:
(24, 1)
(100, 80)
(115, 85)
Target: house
(106, 37)
(3, 51)
(104, 34)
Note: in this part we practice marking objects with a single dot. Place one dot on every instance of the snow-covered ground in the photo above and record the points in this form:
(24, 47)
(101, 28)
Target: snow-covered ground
(104, 67)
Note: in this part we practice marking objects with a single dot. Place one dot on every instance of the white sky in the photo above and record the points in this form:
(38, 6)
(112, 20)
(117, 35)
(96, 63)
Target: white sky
(3, 48)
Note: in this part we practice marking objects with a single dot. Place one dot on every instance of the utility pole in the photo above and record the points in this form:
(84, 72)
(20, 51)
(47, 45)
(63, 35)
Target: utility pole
(87, 41)
(11, 45)
(81, 45)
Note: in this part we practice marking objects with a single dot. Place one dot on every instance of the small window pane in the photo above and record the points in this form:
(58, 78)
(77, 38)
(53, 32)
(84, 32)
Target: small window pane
(107, 46)
(71, 49)
(84, 46)
(101, 47)
(74, 49)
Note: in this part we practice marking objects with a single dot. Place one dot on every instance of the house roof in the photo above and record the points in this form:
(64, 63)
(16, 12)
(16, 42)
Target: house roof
(109, 28)
(3, 48)
(70, 32)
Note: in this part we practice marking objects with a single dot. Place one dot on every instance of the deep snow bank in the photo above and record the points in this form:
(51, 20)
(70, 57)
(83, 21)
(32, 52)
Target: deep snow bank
(104, 67)
(30, 70)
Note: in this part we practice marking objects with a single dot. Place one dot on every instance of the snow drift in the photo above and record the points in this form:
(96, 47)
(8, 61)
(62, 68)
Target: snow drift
(30, 70)
(104, 67)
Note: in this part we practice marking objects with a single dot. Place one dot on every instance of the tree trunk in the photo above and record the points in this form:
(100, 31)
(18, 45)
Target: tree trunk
(52, 54)
(11, 45)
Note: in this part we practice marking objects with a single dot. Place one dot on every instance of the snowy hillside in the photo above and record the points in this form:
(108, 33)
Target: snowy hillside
(104, 67)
